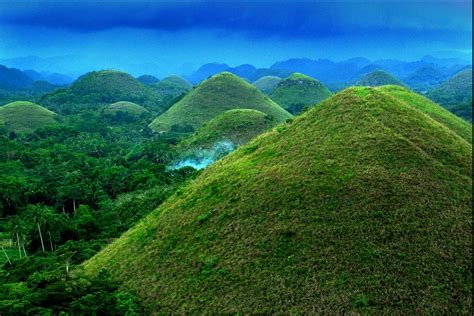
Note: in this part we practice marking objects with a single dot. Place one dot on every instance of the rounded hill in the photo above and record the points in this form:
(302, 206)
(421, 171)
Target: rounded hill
(267, 84)
(298, 91)
(124, 109)
(378, 78)
(25, 117)
(362, 205)
(172, 86)
(237, 126)
(99, 88)
(216, 95)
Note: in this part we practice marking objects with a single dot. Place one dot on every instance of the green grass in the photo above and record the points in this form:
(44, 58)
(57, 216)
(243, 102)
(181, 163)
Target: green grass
(457, 125)
(172, 86)
(361, 205)
(130, 108)
(25, 117)
(216, 95)
(378, 78)
(298, 91)
(267, 84)
(238, 126)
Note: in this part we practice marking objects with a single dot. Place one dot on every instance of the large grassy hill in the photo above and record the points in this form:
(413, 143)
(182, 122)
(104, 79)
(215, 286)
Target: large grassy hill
(456, 94)
(378, 78)
(298, 91)
(99, 88)
(237, 126)
(172, 86)
(361, 205)
(216, 95)
(25, 117)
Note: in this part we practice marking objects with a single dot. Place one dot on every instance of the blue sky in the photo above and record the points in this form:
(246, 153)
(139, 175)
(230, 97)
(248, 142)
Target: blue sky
(175, 36)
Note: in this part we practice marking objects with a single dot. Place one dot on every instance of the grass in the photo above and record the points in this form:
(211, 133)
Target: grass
(361, 205)
(125, 107)
(238, 126)
(216, 95)
(298, 91)
(379, 78)
(25, 117)
(172, 86)
(267, 84)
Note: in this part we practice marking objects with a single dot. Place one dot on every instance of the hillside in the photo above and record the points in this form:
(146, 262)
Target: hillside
(237, 126)
(172, 86)
(13, 79)
(425, 78)
(378, 78)
(298, 91)
(25, 117)
(216, 95)
(267, 84)
(147, 79)
(99, 88)
(123, 110)
(361, 205)
(456, 94)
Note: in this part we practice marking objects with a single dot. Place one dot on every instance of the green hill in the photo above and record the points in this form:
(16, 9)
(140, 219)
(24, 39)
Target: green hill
(25, 117)
(267, 84)
(148, 79)
(298, 91)
(172, 86)
(237, 126)
(456, 94)
(378, 78)
(124, 110)
(362, 205)
(216, 95)
(99, 88)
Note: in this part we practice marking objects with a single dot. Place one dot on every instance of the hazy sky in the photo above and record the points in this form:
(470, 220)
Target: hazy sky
(174, 36)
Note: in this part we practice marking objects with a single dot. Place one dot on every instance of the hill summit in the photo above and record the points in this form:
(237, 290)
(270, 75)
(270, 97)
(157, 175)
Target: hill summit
(361, 205)
(98, 88)
(267, 84)
(216, 95)
(298, 91)
(378, 78)
(25, 117)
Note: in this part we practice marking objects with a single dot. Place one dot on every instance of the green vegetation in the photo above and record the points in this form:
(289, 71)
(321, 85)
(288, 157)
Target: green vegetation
(267, 84)
(216, 95)
(25, 117)
(172, 86)
(361, 205)
(378, 78)
(237, 126)
(298, 91)
(99, 88)
(456, 94)
(147, 79)
(124, 111)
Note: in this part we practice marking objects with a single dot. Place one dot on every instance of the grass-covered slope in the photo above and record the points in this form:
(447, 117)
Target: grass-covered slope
(378, 78)
(436, 112)
(298, 91)
(267, 84)
(237, 126)
(25, 117)
(172, 86)
(130, 110)
(361, 205)
(99, 88)
(456, 94)
(216, 95)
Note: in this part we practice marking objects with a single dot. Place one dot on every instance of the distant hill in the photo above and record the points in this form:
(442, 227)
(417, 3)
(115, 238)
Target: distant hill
(267, 84)
(216, 95)
(25, 117)
(361, 205)
(425, 79)
(98, 88)
(456, 94)
(124, 111)
(298, 91)
(378, 78)
(172, 86)
(148, 79)
(237, 126)
(13, 79)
